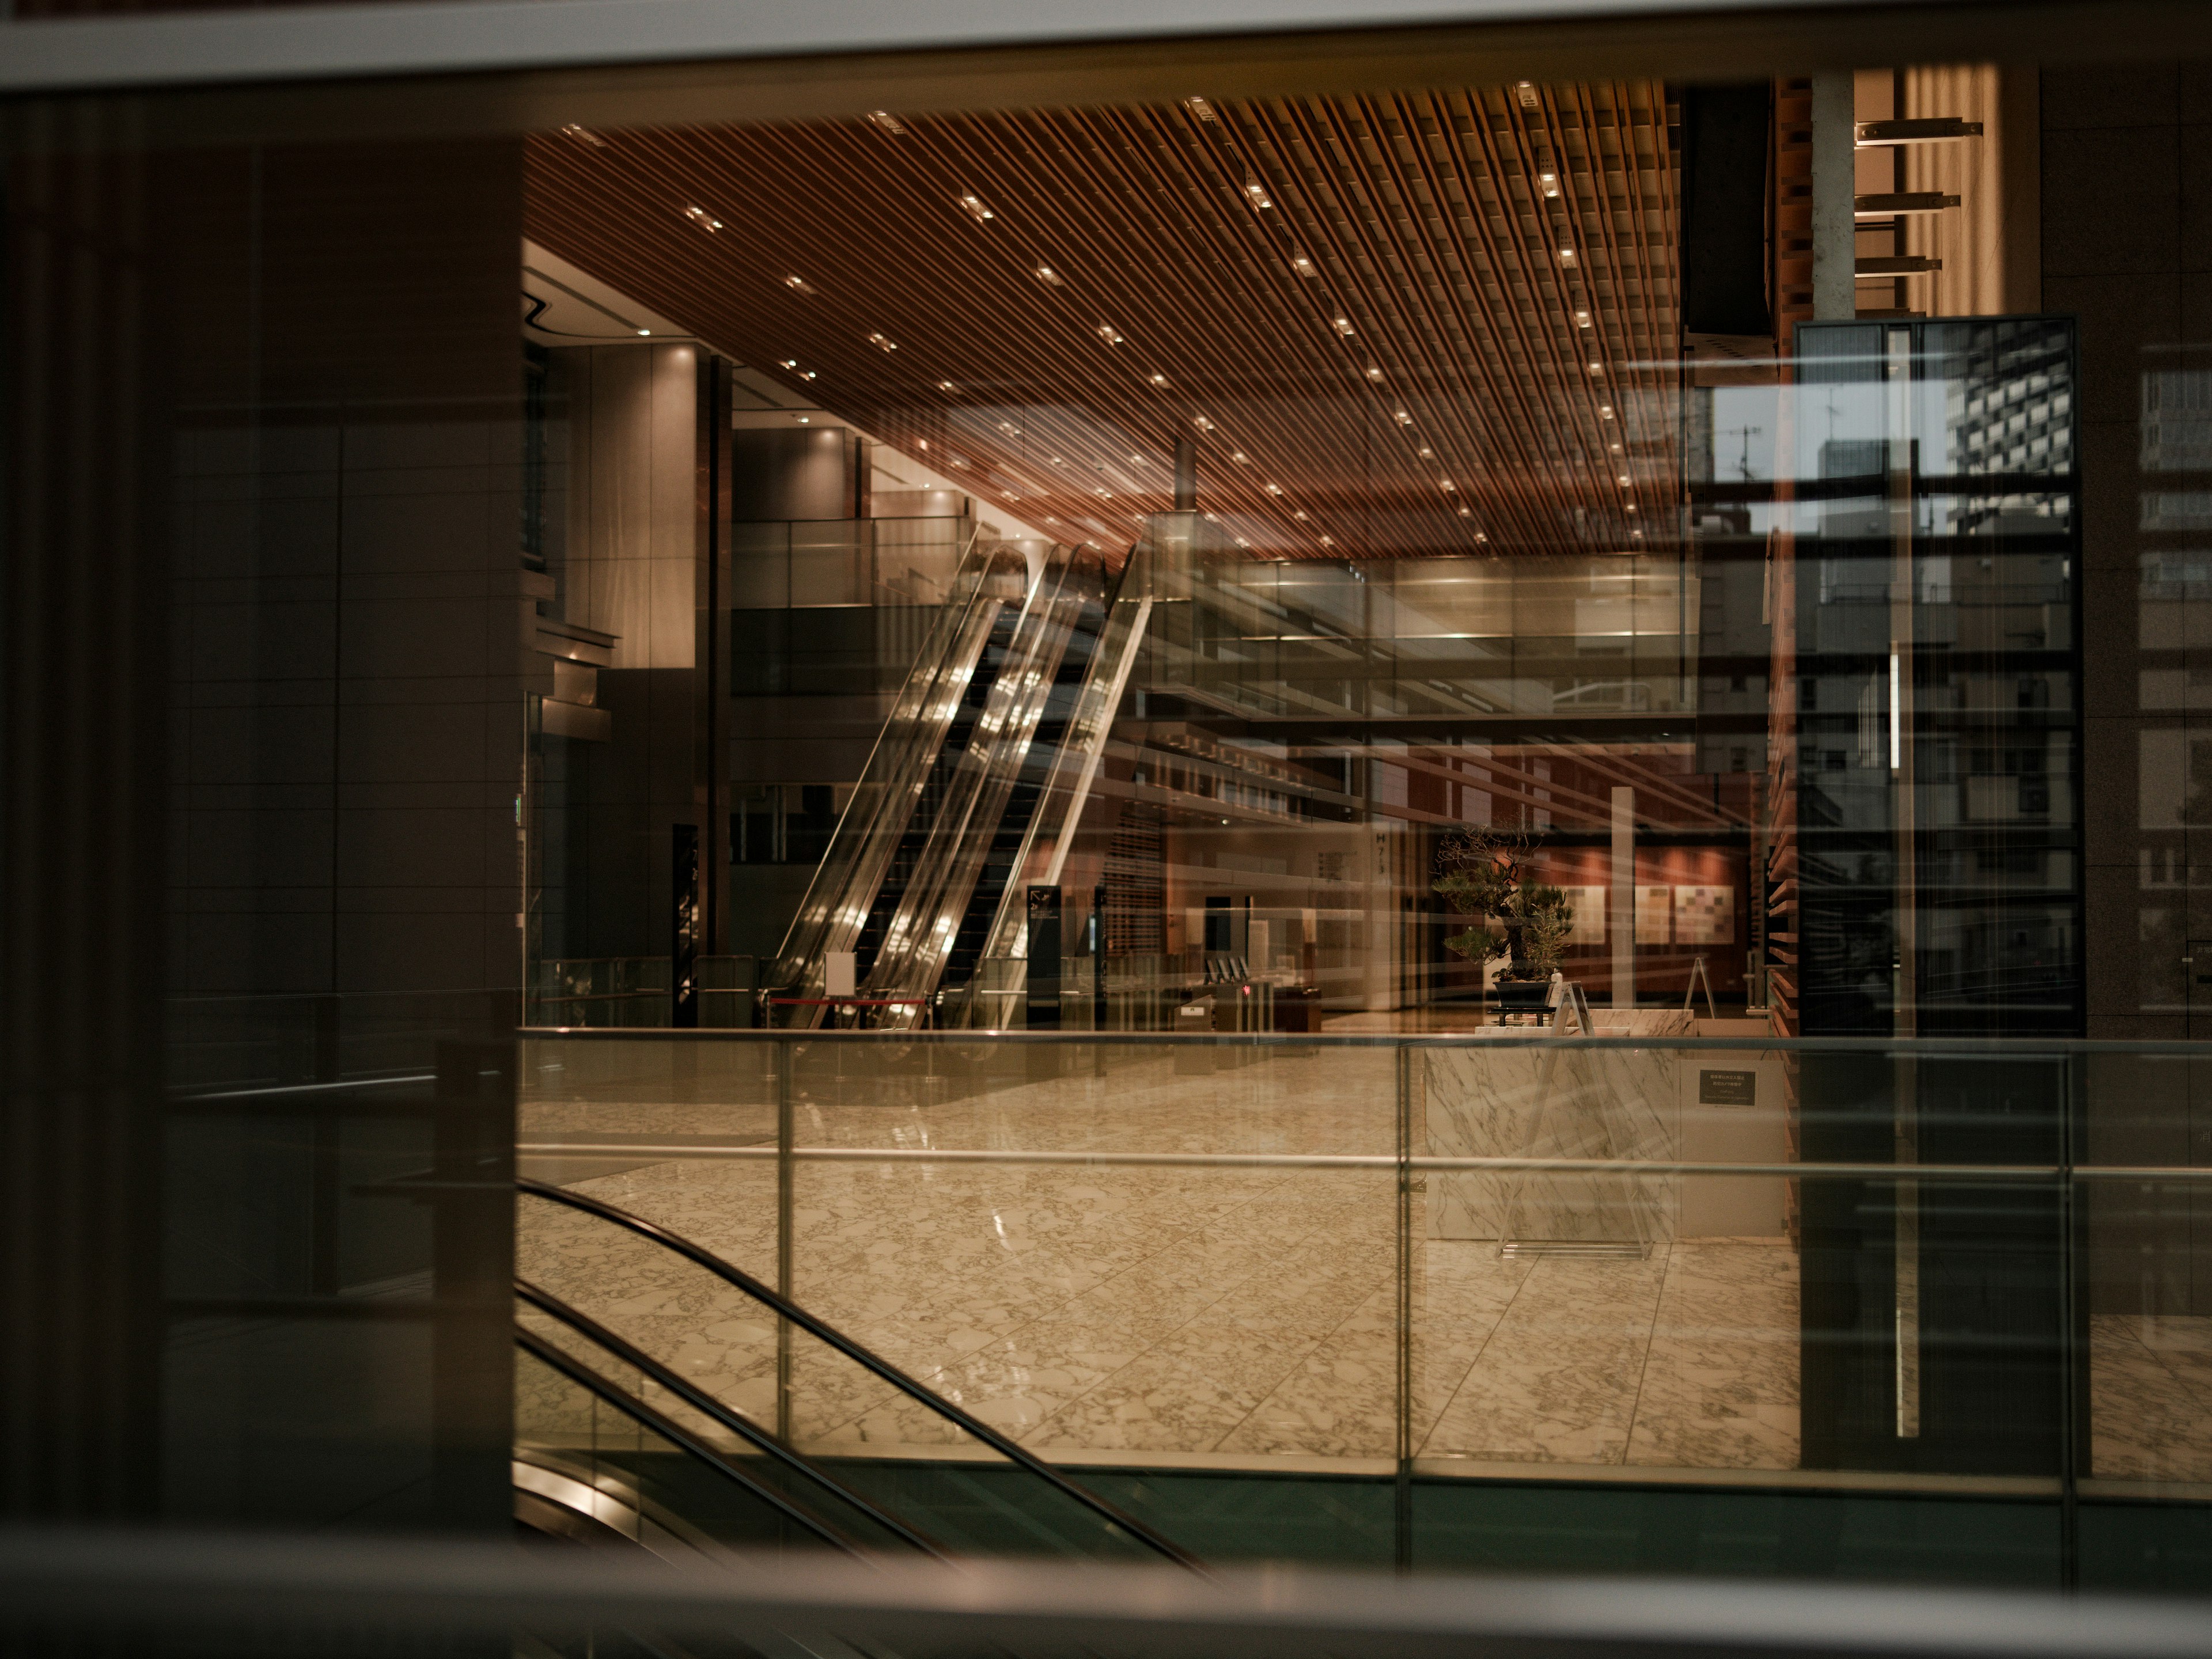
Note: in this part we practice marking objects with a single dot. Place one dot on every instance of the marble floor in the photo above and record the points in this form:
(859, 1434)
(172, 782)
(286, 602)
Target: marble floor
(1180, 1315)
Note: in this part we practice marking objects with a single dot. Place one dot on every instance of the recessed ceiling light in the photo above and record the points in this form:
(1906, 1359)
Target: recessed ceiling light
(584, 135)
(1302, 513)
(1637, 534)
(1632, 507)
(1046, 274)
(974, 207)
(1159, 379)
(805, 374)
(1256, 191)
(1597, 368)
(925, 443)
(802, 419)
(1615, 448)
(1103, 493)
(788, 363)
(1210, 519)
(946, 385)
(1567, 257)
(1551, 183)
(1404, 418)
(1467, 512)
(1343, 326)
(1048, 519)
(1582, 319)
(1481, 536)
(1241, 459)
(1304, 266)
(889, 122)
(961, 462)
(1200, 108)
(799, 285)
(1275, 489)
(1010, 495)
(1605, 411)
(1527, 94)
(1056, 461)
(1373, 373)
(1624, 481)
(645, 330)
(1110, 334)
(706, 221)
(1201, 423)
(1241, 542)
(881, 344)
(1329, 540)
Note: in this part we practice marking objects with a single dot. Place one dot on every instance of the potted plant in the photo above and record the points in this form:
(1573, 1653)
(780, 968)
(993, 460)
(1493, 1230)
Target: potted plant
(1486, 875)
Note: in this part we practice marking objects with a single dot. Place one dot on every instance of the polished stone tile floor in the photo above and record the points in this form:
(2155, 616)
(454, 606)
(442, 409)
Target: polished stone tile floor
(1184, 1315)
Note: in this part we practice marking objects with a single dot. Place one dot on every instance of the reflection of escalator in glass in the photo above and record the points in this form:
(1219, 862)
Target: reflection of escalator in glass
(990, 957)
(616, 1446)
(954, 858)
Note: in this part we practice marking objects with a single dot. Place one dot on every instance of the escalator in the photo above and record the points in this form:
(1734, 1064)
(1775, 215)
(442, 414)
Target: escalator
(655, 1460)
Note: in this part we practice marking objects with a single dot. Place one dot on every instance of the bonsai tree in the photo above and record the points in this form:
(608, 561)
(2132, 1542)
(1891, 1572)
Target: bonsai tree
(1486, 875)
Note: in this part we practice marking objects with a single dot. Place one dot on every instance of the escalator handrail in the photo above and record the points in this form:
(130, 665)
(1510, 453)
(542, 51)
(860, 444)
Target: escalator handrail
(674, 1432)
(816, 1327)
(736, 1422)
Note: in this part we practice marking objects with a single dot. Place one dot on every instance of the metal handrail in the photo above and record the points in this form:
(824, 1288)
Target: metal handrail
(674, 1432)
(883, 1369)
(736, 1422)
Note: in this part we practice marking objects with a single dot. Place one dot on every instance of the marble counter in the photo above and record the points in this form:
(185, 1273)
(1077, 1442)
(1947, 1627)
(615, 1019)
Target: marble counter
(1491, 1097)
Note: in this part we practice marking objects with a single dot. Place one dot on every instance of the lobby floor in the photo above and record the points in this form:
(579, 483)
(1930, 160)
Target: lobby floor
(1186, 1315)
(1164, 1312)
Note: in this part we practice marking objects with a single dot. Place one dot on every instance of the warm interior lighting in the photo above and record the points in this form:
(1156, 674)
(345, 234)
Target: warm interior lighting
(1303, 265)
(584, 135)
(1373, 373)
(1046, 274)
(1275, 489)
(1200, 108)
(799, 284)
(1597, 368)
(1467, 512)
(1329, 540)
(788, 363)
(1241, 459)
(802, 419)
(1109, 333)
(645, 330)
(1403, 418)
(1624, 481)
(1551, 183)
(706, 222)
(973, 206)
(1343, 326)
(925, 443)
(889, 122)
(1159, 379)
(1527, 90)
(946, 385)
(1605, 411)
(881, 344)
(1448, 485)
(1427, 453)
(1566, 256)
(1582, 319)
(1201, 423)
(1256, 191)
(1301, 515)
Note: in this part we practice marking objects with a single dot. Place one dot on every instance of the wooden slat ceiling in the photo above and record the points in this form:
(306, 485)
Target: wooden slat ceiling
(1363, 303)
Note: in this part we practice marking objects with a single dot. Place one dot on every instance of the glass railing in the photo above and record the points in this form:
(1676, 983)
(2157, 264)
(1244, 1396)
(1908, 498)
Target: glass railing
(1921, 1308)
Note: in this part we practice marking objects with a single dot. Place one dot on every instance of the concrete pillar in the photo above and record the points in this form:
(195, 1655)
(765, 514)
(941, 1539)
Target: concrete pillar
(1835, 291)
(1621, 923)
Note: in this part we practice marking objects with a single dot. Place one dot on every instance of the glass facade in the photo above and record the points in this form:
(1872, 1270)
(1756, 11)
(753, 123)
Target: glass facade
(1440, 816)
